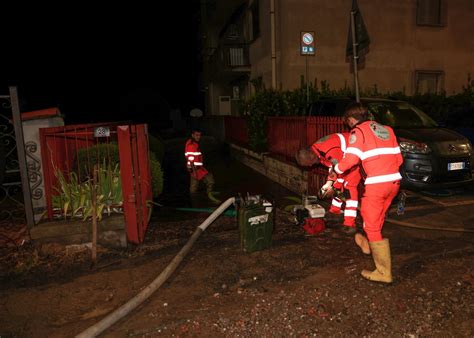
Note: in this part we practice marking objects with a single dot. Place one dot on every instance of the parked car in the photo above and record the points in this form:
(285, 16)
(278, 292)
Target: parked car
(434, 157)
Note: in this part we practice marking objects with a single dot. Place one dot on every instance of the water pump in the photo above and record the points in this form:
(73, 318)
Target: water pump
(310, 215)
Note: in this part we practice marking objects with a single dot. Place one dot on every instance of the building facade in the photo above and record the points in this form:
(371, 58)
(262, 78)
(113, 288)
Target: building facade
(416, 46)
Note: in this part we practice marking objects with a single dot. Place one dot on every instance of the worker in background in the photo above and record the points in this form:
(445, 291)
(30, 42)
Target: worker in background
(375, 147)
(195, 165)
(328, 151)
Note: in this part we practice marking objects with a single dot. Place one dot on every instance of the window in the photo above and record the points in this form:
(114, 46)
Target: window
(429, 81)
(431, 13)
(399, 114)
(255, 20)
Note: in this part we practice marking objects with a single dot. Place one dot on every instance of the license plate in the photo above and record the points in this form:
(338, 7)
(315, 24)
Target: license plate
(456, 165)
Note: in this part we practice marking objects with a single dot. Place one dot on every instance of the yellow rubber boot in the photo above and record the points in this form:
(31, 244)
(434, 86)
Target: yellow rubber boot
(381, 255)
(363, 243)
(210, 195)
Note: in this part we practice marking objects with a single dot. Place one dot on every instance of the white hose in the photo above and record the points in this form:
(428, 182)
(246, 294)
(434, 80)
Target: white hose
(125, 309)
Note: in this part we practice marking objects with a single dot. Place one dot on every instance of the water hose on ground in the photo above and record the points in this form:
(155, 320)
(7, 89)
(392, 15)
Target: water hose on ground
(230, 213)
(423, 227)
(125, 309)
(426, 227)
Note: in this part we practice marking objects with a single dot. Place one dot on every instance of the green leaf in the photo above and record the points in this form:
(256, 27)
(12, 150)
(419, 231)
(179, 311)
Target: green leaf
(294, 199)
(289, 208)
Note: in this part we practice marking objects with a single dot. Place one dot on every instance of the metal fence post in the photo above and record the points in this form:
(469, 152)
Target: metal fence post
(20, 146)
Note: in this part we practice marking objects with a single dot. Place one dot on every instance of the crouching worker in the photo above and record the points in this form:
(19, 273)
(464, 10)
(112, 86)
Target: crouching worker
(328, 151)
(195, 166)
(375, 147)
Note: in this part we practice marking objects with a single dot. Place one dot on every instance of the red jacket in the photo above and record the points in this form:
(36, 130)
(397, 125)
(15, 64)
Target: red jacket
(194, 161)
(330, 150)
(376, 147)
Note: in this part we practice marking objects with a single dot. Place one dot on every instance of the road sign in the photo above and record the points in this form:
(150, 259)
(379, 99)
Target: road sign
(307, 44)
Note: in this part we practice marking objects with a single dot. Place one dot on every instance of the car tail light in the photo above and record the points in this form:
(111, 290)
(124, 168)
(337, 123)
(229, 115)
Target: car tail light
(413, 147)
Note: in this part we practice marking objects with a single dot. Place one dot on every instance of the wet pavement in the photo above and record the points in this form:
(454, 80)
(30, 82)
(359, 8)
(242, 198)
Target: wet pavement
(301, 286)
(232, 178)
(438, 209)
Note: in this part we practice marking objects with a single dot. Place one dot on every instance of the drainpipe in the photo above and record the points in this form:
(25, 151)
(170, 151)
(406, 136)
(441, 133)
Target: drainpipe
(273, 43)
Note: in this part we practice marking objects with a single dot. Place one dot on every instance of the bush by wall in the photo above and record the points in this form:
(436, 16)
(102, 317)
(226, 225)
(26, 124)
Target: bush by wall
(455, 110)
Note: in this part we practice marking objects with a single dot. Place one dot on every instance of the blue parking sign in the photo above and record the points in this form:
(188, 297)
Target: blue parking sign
(307, 43)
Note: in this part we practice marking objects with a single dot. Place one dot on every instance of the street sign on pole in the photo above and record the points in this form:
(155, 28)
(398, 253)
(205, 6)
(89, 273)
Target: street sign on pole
(307, 43)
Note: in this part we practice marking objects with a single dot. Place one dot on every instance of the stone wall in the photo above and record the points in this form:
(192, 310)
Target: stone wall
(284, 173)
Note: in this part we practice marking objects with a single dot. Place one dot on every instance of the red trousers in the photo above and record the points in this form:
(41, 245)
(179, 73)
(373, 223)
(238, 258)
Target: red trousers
(350, 207)
(374, 204)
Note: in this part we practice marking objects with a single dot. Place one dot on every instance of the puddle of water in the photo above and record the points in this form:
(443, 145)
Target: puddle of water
(232, 178)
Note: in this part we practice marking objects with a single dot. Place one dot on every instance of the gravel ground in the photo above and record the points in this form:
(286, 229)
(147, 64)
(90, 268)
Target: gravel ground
(301, 286)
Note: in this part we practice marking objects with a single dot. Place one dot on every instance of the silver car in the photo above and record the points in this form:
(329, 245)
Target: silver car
(434, 157)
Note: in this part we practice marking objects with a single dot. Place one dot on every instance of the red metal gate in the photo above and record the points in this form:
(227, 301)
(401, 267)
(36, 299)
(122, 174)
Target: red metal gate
(60, 152)
(136, 179)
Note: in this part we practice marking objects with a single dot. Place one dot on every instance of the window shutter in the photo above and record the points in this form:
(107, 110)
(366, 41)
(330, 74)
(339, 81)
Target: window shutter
(431, 12)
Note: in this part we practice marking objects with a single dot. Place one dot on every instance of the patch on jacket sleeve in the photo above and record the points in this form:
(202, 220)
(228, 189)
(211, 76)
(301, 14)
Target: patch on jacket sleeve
(352, 138)
(379, 131)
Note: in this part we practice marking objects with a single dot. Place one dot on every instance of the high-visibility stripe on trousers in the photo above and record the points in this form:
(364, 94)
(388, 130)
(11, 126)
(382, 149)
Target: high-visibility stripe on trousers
(352, 202)
(349, 206)
(350, 212)
(336, 206)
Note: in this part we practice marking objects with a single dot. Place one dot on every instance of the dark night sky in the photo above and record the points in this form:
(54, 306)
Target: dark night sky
(86, 59)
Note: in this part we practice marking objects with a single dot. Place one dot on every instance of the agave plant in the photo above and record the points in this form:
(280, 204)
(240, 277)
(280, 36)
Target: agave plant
(74, 198)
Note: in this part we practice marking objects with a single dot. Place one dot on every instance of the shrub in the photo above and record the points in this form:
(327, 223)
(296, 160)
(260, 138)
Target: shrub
(456, 110)
(156, 176)
(157, 147)
(109, 153)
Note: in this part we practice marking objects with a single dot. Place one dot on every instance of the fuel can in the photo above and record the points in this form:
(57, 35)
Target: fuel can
(255, 217)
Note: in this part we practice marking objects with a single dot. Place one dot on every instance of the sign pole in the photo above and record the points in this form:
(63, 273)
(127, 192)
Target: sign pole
(307, 82)
(307, 48)
(354, 52)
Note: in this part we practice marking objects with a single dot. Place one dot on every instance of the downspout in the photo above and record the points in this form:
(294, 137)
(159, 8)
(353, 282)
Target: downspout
(273, 43)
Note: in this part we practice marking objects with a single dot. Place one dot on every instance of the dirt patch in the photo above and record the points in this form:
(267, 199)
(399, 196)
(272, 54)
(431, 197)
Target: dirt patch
(301, 286)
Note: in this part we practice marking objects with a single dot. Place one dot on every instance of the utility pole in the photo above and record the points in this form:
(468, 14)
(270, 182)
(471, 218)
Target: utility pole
(355, 56)
(273, 43)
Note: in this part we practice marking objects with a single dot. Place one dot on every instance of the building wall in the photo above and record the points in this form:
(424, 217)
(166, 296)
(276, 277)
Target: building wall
(398, 46)
(260, 50)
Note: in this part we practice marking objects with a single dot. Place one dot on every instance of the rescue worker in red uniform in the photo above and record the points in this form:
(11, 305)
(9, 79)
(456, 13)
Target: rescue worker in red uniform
(375, 148)
(328, 151)
(195, 164)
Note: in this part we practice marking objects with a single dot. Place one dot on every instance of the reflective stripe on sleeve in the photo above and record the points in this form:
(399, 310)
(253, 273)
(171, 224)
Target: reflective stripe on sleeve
(198, 163)
(195, 153)
(355, 151)
(343, 142)
(383, 178)
(191, 158)
(340, 180)
(336, 169)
